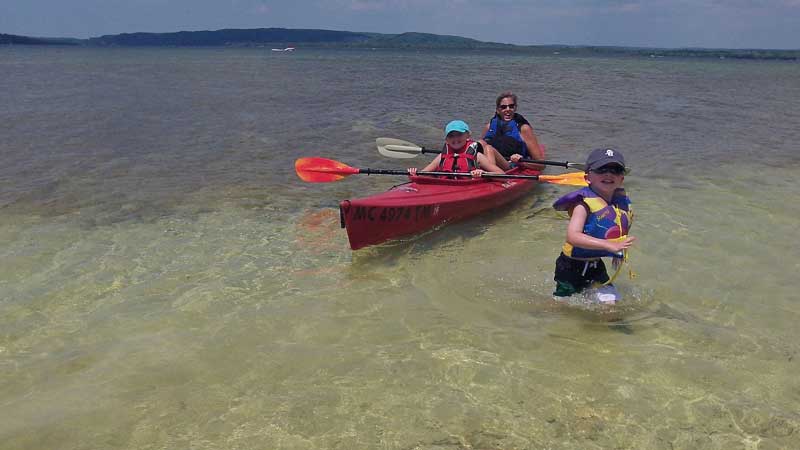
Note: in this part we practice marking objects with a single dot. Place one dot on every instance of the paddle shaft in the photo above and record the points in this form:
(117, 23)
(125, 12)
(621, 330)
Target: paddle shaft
(546, 162)
(446, 174)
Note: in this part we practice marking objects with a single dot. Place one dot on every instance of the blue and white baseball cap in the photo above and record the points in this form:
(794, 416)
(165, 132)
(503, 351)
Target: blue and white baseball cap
(456, 125)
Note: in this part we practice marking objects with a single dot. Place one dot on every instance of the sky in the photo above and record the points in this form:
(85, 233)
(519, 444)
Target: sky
(735, 24)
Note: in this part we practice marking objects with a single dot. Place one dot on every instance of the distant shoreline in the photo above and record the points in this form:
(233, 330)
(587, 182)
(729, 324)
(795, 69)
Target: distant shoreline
(305, 38)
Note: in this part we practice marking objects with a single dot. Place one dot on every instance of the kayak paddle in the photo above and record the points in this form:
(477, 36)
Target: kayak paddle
(323, 170)
(400, 149)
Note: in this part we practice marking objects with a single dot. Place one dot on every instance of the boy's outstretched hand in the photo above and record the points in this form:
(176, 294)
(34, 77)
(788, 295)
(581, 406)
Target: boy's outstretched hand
(616, 247)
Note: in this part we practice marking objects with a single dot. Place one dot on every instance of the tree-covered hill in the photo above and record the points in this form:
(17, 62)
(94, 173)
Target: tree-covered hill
(231, 37)
(305, 38)
(12, 39)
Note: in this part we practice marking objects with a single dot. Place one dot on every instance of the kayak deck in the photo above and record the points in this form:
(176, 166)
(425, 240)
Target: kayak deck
(424, 203)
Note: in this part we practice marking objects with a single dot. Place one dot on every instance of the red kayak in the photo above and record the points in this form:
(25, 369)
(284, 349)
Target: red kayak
(425, 202)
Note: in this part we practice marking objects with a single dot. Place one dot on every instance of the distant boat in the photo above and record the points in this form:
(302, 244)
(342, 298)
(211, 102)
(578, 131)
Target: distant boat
(287, 49)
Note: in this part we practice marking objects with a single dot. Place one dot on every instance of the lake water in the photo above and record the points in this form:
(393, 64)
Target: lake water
(167, 282)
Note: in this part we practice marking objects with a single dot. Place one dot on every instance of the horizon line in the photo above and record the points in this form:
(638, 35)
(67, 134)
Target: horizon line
(624, 46)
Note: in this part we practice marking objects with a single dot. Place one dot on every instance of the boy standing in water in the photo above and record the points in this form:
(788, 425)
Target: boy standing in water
(600, 216)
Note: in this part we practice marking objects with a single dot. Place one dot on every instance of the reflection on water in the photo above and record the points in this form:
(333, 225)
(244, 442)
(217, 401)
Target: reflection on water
(168, 282)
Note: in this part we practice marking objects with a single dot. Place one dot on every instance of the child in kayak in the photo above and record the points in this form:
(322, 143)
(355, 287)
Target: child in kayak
(600, 216)
(460, 154)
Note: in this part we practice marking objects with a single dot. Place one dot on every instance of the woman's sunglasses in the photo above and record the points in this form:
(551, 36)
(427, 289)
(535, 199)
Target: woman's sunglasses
(504, 107)
(613, 169)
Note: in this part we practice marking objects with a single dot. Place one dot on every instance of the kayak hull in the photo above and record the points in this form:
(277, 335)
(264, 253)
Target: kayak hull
(425, 203)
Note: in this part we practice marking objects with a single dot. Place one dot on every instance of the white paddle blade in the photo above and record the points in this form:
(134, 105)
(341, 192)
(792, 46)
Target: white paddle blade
(397, 148)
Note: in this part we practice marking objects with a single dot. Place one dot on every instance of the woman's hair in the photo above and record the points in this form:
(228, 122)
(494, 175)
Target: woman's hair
(505, 95)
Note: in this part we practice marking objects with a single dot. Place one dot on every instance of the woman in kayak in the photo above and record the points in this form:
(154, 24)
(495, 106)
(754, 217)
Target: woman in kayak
(508, 135)
(460, 154)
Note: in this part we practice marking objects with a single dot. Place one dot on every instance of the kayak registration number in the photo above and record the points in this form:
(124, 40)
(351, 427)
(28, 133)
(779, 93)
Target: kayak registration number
(394, 214)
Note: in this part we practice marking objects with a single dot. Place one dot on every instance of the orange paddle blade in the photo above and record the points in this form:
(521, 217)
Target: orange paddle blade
(322, 170)
(570, 178)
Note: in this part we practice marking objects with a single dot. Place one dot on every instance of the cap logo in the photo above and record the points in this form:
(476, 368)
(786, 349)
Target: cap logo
(610, 153)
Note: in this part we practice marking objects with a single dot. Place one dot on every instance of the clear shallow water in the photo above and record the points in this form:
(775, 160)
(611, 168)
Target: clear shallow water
(167, 281)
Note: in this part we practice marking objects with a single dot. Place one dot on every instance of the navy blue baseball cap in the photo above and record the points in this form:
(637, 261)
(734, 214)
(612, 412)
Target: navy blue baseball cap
(600, 157)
